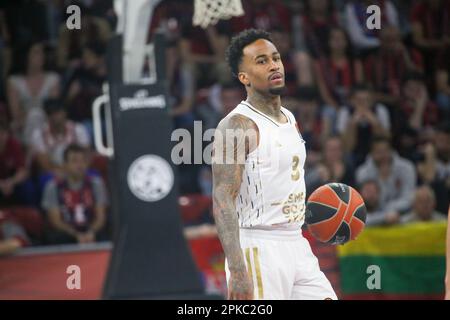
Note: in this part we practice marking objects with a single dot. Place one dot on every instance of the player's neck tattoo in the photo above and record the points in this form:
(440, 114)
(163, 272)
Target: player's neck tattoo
(268, 104)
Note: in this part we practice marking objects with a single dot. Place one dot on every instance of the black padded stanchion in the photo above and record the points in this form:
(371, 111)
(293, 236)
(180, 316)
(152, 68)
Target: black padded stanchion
(150, 257)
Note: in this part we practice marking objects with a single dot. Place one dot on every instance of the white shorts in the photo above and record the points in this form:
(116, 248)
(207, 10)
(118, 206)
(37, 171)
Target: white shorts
(283, 266)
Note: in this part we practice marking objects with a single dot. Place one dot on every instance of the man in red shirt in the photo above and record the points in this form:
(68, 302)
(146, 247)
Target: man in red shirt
(13, 171)
(417, 109)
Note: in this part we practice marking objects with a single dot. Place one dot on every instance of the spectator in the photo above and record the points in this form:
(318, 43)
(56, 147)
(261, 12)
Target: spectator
(230, 96)
(443, 93)
(417, 110)
(263, 14)
(211, 112)
(429, 173)
(356, 17)
(389, 64)
(337, 71)
(4, 54)
(302, 58)
(318, 19)
(12, 235)
(55, 15)
(332, 168)
(370, 192)
(25, 20)
(75, 203)
(50, 141)
(27, 91)
(360, 122)
(203, 50)
(430, 26)
(424, 206)
(86, 84)
(407, 140)
(205, 180)
(314, 121)
(103, 9)
(170, 17)
(395, 176)
(13, 171)
(404, 9)
(442, 144)
(292, 72)
(4, 31)
(182, 92)
(72, 42)
(339, 169)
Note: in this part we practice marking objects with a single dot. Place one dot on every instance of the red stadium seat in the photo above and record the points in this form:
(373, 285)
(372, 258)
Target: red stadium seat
(29, 218)
(192, 206)
(100, 164)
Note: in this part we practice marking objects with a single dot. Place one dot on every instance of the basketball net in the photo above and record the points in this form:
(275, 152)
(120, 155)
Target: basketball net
(209, 12)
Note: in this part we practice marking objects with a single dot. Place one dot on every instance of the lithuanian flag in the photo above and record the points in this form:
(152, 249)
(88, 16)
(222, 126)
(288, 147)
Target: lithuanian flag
(410, 260)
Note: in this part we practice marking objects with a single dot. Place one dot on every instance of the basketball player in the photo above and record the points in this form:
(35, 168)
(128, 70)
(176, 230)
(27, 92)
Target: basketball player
(259, 202)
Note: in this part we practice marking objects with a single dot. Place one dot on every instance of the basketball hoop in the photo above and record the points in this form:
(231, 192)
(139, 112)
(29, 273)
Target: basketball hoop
(209, 12)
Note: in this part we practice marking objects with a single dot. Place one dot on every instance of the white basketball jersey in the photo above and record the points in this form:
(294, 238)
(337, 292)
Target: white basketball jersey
(272, 193)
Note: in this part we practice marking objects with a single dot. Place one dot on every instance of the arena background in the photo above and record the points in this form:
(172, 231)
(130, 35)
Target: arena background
(348, 86)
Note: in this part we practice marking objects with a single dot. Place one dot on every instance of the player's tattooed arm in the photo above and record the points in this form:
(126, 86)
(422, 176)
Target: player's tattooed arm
(235, 137)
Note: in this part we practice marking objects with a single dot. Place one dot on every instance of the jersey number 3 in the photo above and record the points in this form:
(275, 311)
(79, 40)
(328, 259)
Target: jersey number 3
(295, 175)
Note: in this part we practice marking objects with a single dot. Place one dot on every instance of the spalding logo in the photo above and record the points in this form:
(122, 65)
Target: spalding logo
(339, 240)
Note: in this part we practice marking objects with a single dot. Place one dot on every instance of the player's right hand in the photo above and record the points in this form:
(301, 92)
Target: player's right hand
(240, 286)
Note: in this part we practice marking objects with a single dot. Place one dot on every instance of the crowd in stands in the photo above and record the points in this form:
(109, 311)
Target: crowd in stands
(373, 105)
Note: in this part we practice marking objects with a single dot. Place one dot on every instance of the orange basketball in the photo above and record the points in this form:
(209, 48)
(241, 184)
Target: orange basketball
(335, 213)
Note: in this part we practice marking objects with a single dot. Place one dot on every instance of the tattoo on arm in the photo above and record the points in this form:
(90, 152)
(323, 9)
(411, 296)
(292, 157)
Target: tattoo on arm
(227, 178)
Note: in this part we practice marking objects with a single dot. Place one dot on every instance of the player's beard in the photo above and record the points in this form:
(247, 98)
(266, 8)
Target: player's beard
(277, 91)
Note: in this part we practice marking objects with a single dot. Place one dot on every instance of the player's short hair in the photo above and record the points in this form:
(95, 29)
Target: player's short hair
(73, 148)
(234, 51)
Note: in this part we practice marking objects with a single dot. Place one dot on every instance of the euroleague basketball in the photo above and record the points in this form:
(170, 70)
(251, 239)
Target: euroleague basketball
(335, 213)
